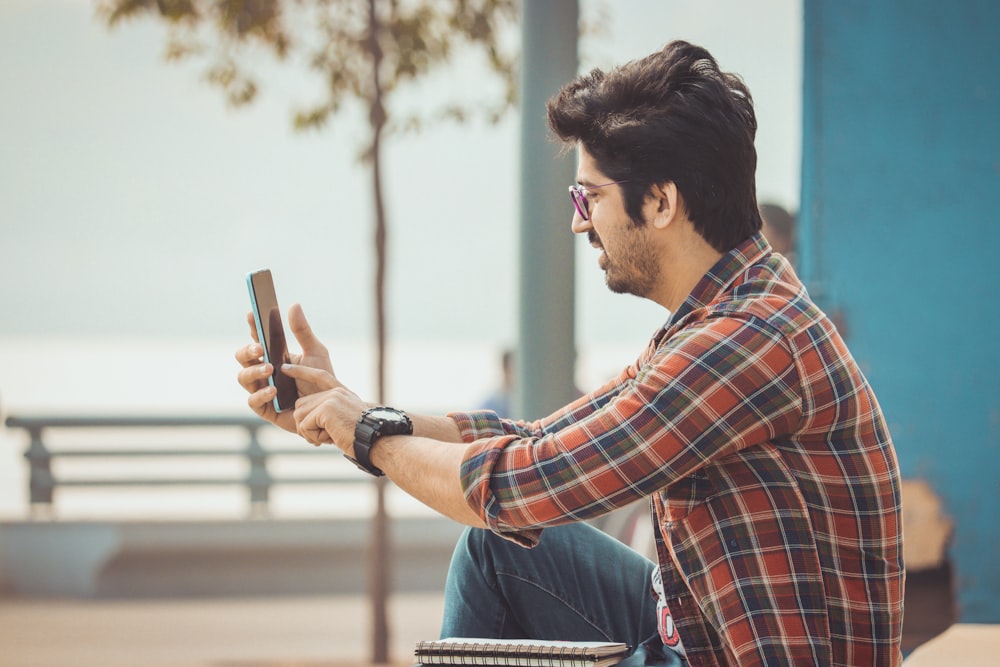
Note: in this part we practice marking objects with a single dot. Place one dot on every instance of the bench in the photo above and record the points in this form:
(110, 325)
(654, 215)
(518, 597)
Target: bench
(116, 440)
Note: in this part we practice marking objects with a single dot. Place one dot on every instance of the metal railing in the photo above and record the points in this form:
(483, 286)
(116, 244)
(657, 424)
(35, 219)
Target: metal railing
(259, 479)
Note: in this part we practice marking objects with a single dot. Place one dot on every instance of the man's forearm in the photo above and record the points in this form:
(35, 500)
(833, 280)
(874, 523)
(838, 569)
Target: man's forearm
(428, 469)
(436, 428)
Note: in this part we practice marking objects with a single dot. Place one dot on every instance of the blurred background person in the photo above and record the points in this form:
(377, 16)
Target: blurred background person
(499, 401)
(779, 228)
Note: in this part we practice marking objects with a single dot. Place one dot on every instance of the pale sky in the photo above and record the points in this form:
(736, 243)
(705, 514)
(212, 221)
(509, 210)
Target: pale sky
(133, 201)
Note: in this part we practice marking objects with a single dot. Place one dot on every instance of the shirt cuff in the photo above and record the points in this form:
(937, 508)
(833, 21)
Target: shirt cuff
(477, 469)
(478, 424)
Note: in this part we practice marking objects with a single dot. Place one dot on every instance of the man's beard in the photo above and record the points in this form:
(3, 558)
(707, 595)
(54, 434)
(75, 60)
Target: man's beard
(633, 271)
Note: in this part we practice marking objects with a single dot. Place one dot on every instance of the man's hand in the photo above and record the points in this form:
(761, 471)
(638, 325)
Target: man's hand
(328, 416)
(254, 373)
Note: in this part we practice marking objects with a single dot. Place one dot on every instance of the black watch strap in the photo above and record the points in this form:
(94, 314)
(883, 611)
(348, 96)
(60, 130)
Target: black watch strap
(365, 435)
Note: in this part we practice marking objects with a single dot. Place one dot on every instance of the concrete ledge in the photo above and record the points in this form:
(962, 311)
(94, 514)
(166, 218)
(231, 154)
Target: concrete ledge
(215, 558)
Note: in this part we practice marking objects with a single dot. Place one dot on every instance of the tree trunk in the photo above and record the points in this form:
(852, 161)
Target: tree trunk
(379, 562)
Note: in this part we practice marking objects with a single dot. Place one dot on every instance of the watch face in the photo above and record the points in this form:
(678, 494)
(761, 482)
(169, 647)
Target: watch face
(384, 413)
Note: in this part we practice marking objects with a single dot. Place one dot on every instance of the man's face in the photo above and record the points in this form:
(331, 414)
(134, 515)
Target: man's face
(628, 259)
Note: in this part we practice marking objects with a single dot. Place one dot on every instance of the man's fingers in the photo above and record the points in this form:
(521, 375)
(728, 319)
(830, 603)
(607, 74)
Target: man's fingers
(305, 424)
(249, 355)
(260, 400)
(253, 326)
(321, 379)
(303, 333)
(254, 377)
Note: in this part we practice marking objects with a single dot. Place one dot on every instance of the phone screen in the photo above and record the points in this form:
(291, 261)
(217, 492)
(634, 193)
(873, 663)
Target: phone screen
(271, 334)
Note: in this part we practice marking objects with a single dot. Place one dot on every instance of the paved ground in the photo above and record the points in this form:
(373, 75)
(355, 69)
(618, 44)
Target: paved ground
(258, 632)
(321, 631)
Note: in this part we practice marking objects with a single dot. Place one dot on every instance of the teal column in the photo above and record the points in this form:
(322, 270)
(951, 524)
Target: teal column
(901, 171)
(545, 355)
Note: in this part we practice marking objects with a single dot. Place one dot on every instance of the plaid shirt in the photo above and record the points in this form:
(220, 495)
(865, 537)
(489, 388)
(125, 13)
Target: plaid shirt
(773, 480)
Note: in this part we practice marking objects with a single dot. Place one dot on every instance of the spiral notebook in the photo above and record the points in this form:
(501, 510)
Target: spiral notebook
(518, 652)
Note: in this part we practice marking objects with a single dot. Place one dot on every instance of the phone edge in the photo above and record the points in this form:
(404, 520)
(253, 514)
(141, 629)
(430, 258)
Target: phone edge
(260, 332)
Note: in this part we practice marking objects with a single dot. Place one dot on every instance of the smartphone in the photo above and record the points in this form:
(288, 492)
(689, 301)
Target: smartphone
(271, 334)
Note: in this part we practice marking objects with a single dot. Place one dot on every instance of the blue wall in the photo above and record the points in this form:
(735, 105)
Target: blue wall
(900, 231)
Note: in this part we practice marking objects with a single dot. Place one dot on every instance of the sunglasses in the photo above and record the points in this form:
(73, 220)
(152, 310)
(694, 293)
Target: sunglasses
(578, 194)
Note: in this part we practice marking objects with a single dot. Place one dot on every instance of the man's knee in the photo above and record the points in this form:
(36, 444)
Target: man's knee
(469, 549)
(475, 546)
(481, 550)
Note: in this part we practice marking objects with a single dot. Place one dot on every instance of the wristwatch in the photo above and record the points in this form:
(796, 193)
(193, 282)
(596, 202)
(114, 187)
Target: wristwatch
(372, 425)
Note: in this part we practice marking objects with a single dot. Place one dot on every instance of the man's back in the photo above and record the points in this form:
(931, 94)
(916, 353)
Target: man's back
(788, 544)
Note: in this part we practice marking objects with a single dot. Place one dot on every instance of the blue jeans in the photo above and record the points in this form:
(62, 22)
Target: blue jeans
(578, 584)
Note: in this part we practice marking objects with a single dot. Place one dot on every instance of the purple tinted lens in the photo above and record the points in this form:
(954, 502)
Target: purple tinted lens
(580, 202)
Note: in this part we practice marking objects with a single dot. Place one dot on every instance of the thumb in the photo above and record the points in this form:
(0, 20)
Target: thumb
(303, 333)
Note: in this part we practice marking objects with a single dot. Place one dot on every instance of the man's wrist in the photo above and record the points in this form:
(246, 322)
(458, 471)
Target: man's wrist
(373, 424)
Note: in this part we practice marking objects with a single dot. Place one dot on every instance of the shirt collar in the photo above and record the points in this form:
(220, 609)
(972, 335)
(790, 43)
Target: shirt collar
(722, 275)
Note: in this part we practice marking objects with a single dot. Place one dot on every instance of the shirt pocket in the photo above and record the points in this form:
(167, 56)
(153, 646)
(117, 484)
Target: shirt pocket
(677, 501)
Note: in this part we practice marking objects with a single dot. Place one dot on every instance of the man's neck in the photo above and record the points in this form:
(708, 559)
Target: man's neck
(685, 262)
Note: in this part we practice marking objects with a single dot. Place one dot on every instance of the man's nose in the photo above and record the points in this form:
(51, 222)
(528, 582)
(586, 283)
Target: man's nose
(579, 225)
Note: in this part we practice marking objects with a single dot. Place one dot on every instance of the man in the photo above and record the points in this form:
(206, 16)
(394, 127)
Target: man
(779, 229)
(770, 472)
(499, 400)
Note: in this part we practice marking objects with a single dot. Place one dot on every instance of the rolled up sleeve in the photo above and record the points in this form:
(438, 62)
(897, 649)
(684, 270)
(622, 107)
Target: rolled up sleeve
(477, 481)
(725, 385)
(479, 424)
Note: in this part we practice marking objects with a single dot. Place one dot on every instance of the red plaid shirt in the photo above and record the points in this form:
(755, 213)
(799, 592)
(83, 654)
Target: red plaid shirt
(771, 472)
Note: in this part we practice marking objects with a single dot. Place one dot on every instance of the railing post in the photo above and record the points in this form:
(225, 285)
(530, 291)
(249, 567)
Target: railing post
(259, 479)
(40, 481)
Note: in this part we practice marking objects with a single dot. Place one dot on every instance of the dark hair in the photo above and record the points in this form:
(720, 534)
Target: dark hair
(670, 117)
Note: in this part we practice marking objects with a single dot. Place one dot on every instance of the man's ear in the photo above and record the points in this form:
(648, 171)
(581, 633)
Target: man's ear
(667, 205)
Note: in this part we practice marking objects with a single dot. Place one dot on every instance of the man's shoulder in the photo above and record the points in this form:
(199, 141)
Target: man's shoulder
(773, 295)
